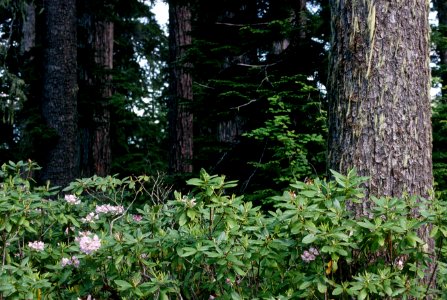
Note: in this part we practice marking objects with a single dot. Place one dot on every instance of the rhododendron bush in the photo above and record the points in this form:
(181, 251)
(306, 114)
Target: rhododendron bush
(109, 238)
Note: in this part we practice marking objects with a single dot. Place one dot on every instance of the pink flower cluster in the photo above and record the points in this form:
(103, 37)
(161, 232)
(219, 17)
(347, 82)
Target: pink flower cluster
(109, 209)
(137, 218)
(37, 245)
(310, 255)
(88, 243)
(72, 199)
(103, 209)
(73, 261)
(90, 218)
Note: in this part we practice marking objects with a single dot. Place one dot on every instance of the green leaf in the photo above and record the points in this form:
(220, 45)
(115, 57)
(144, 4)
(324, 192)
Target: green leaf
(73, 221)
(195, 182)
(163, 296)
(308, 194)
(234, 260)
(213, 254)
(191, 213)
(188, 251)
(367, 224)
(362, 295)
(434, 231)
(337, 291)
(238, 270)
(182, 219)
(413, 239)
(310, 238)
(305, 285)
(322, 288)
(122, 285)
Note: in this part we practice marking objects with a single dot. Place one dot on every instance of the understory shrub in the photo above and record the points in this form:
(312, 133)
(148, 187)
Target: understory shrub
(100, 240)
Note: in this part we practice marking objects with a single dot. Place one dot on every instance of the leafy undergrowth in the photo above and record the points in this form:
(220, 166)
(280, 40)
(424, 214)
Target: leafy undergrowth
(110, 238)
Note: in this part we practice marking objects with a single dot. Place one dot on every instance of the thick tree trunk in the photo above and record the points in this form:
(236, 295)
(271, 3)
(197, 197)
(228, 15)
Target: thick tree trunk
(96, 38)
(379, 93)
(441, 7)
(59, 95)
(180, 111)
(103, 49)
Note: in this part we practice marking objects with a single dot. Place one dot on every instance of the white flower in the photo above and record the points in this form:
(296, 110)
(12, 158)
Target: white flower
(65, 262)
(37, 245)
(72, 200)
(400, 264)
(90, 218)
(188, 202)
(88, 244)
(109, 209)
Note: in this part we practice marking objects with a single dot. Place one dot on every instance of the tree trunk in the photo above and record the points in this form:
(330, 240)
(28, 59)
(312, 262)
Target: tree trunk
(379, 97)
(103, 49)
(441, 7)
(59, 107)
(180, 111)
(96, 38)
(28, 28)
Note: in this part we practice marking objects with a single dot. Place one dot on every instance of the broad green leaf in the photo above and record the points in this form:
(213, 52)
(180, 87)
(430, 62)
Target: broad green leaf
(213, 254)
(362, 295)
(238, 270)
(183, 219)
(367, 224)
(195, 182)
(305, 285)
(337, 291)
(122, 285)
(322, 288)
(310, 238)
(188, 251)
(191, 213)
(308, 194)
(235, 296)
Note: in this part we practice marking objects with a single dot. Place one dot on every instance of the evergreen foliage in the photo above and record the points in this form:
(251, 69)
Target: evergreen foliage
(111, 238)
(257, 97)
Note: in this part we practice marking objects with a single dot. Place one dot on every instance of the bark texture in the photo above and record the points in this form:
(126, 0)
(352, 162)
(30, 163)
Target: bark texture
(379, 86)
(441, 7)
(96, 37)
(180, 110)
(59, 96)
(103, 51)
(379, 93)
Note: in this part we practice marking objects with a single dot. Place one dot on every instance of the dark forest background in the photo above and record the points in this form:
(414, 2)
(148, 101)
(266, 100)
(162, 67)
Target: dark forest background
(234, 87)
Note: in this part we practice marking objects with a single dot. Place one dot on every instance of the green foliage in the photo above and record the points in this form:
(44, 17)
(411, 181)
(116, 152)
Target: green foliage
(212, 244)
(260, 67)
(439, 121)
(296, 145)
(12, 86)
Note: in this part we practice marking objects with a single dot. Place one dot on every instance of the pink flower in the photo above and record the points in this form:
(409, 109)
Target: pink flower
(37, 245)
(90, 218)
(88, 244)
(137, 218)
(73, 261)
(310, 255)
(65, 262)
(72, 200)
(109, 209)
